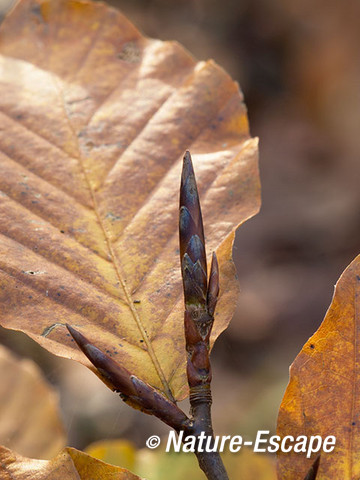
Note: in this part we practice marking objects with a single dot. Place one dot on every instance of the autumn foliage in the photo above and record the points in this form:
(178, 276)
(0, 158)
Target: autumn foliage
(92, 143)
(322, 395)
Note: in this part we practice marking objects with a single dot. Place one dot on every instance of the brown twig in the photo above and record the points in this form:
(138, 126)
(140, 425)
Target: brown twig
(200, 298)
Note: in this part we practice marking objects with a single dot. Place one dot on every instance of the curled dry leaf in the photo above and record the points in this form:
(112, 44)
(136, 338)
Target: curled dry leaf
(94, 121)
(323, 396)
(29, 412)
(70, 464)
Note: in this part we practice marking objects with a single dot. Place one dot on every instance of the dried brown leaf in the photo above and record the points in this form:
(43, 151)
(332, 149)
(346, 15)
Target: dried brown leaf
(29, 409)
(323, 396)
(70, 464)
(94, 121)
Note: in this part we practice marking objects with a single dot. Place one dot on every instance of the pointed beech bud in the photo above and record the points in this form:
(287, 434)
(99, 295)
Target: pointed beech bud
(213, 289)
(134, 391)
(200, 295)
(192, 240)
(312, 473)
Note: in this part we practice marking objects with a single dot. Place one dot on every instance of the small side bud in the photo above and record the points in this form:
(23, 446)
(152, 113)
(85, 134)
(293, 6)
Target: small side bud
(213, 288)
(133, 391)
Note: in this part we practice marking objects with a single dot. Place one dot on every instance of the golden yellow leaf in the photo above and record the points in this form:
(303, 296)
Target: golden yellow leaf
(70, 464)
(323, 396)
(29, 411)
(115, 452)
(161, 465)
(94, 121)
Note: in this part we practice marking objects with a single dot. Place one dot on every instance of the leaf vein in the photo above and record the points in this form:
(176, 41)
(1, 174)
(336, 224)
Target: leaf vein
(76, 276)
(133, 310)
(33, 132)
(158, 184)
(55, 300)
(45, 219)
(140, 131)
(71, 199)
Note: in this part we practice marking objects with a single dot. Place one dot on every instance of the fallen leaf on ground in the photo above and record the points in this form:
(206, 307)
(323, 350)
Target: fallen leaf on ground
(94, 121)
(161, 465)
(70, 464)
(323, 396)
(29, 409)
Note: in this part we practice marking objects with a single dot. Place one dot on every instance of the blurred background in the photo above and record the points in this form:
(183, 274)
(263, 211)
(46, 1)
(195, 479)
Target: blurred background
(298, 64)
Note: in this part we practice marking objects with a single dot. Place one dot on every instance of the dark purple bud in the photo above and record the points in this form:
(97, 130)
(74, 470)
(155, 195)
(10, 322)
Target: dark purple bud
(134, 391)
(200, 295)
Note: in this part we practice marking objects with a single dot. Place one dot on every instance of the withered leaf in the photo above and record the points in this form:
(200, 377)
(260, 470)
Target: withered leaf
(70, 464)
(29, 409)
(323, 396)
(94, 121)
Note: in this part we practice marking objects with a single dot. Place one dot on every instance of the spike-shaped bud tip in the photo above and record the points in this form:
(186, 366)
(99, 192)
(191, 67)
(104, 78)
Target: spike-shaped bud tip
(199, 294)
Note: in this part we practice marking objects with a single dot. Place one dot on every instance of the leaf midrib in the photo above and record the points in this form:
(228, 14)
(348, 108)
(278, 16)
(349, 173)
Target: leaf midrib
(114, 259)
